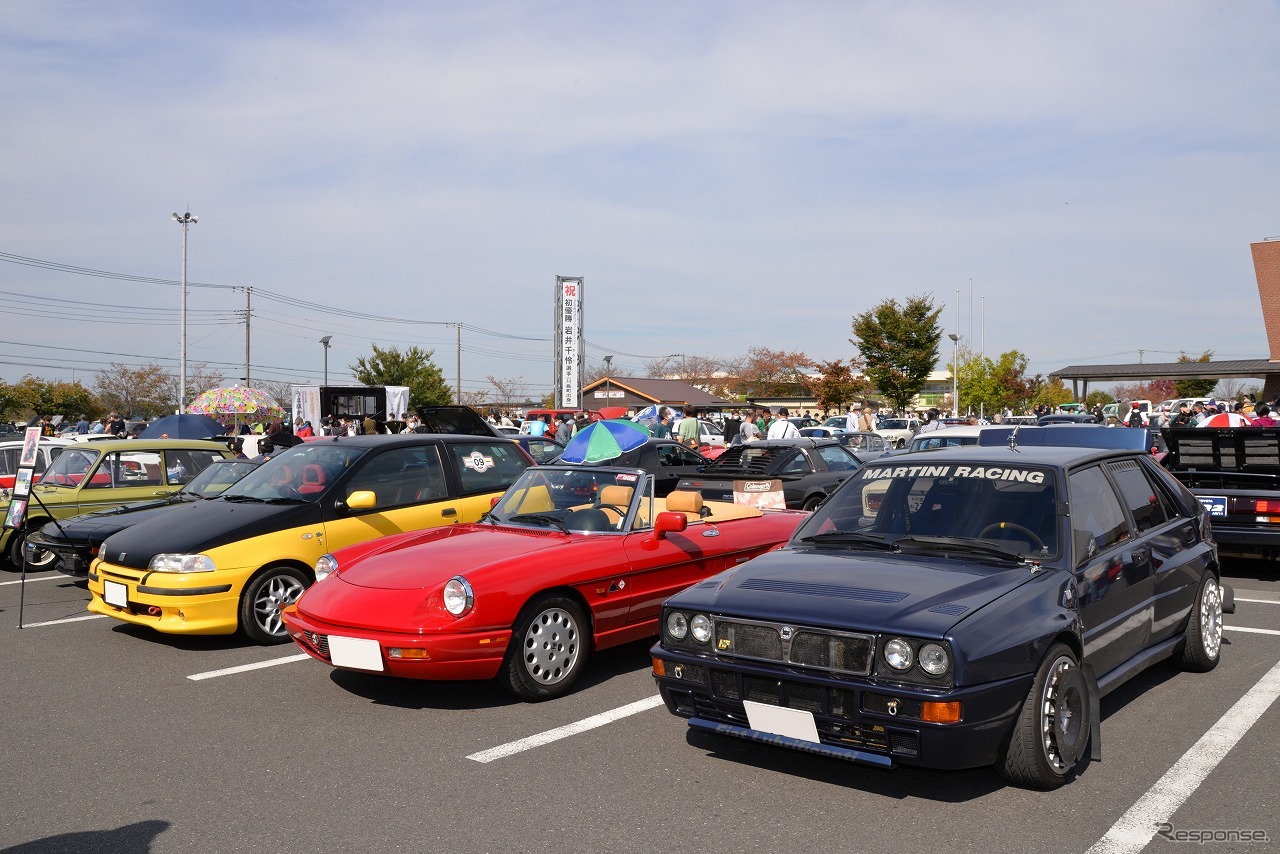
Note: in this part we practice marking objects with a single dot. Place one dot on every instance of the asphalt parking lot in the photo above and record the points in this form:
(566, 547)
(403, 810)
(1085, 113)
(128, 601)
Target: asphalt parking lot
(117, 739)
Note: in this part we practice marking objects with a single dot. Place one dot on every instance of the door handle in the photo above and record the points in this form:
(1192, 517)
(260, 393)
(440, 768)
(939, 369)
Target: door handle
(448, 511)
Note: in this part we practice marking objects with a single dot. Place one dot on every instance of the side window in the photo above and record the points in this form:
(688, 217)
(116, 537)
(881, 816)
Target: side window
(1142, 498)
(797, 464)
(127, 468)
(181, 466)
(402, 476)
(9, 460)
(686, 457)
(838, 459)
(1097, 521)
(484, 466)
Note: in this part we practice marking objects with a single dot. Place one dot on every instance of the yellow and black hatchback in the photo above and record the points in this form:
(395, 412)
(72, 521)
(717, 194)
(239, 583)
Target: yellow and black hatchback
(232, 563)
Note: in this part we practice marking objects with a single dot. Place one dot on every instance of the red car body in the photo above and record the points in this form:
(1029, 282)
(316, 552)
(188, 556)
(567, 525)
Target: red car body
(391, 591)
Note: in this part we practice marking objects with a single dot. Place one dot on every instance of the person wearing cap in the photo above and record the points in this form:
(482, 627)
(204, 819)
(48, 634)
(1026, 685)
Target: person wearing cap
(783, 428)
(1181, 418)
(1134, 418)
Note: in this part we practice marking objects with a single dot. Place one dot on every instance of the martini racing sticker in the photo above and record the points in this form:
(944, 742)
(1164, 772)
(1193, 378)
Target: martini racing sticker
(478, 462)
(1022, 475)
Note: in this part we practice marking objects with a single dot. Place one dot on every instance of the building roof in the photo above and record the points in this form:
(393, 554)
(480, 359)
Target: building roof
(675, 392)
(1239, 369)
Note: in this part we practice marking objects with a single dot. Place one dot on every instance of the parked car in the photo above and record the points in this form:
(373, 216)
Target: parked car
(75, 542)
(11, 452)
(945, 437)
(94, 475)
(951, 613)
(898, 431)
(231, 564)
(666, 459)
(543, 449)
(859, 441)
(572, 560)
(807, 470)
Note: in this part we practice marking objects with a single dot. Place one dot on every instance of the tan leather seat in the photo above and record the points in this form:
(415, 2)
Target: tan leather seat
(686, 502)
(618, 497)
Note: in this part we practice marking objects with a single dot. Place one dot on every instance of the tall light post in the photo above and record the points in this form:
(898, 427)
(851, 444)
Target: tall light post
(955, 372)
(325, 341)
(185, 220)
(608, 371)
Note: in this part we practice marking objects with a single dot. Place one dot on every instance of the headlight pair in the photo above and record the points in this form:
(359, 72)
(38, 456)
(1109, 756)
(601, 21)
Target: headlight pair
(900, 654)
(680, 627)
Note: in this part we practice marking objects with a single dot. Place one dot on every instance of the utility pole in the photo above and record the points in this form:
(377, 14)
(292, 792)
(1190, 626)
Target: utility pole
(458, 364)
(248, 296)
(186, 220)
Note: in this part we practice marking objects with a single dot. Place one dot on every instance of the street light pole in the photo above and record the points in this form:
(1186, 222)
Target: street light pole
(608, 370)
(955, 372)
(186, 220)
(325, 341)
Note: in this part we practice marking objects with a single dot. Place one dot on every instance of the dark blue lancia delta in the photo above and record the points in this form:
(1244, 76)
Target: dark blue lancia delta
(955, 608)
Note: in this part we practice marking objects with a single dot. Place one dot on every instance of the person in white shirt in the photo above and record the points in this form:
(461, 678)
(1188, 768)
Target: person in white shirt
(782, 428)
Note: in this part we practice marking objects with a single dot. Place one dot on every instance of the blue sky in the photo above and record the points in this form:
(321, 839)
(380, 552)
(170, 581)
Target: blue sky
(723, 174)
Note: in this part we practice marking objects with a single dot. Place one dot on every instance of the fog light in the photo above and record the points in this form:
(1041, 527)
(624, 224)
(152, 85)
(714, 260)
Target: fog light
(409, 653)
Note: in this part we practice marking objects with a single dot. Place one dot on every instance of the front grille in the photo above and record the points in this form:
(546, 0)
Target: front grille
(319, 642)
(839, 652)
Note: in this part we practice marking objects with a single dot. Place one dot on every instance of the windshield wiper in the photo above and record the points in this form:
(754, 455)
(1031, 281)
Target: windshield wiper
(848, 538)
(549, 521)
(958, 544)
(244, 498)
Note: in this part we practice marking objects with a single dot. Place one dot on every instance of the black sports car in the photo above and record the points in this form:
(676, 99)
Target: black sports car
(806, 470)
(955, 608)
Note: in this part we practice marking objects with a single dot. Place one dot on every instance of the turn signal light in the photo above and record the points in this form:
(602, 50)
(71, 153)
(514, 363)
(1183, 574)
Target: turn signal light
(659, 667)
(419, 654)
(940, 713)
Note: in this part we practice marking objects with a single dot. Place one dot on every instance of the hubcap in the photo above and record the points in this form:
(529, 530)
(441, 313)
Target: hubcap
(551, 646)
(1061, 708)
(1211, 618)
(278, 592)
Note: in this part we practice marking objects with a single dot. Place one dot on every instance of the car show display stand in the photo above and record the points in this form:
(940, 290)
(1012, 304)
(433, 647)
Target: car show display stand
(16, 517)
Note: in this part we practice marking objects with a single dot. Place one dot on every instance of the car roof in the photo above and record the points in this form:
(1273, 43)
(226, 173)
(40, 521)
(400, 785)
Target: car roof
(1050, 455)
(107, 445)
(957, 430)
(379, 439)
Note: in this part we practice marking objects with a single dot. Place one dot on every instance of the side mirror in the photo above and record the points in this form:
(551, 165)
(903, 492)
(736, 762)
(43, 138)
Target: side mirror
(360, 500)
(668, 522)
(493, 502)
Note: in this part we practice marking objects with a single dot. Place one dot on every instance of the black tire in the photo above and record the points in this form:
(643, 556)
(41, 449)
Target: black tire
(1051, 733)
(264, 597)
(811, 503)
(1201, 646)
(47, 559)
(550, 643)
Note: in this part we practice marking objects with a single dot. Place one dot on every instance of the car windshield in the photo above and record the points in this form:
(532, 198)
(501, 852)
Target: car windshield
(893, 424)
(955, 508)
(577, 499)
(298, 474)
(215, 479)
(834, 421)
(70, 467)
(936, 439)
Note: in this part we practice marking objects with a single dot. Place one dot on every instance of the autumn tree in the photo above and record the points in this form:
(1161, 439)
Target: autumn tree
(1052, 393)
(838, 387)
(508, 392)
(412, 367)
(1193, 388)
(992, 385)
(141, 392)
(773, 373)
(46, 397)
(1154, 390)
(899, 346)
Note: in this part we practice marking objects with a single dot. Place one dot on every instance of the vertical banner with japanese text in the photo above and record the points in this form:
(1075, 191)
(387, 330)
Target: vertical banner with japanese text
(570, 350)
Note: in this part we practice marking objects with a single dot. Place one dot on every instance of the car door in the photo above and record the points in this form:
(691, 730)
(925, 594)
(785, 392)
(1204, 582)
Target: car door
(1112, 571)
(674, 462)
(121, 477)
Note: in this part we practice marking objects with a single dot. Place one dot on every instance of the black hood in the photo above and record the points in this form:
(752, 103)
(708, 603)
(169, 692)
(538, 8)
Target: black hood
(203, 525)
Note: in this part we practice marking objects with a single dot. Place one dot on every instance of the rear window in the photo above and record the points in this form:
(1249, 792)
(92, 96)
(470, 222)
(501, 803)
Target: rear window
(486, 466)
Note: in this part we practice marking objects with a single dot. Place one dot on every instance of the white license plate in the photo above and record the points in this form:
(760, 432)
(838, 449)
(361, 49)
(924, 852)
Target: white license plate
(360, 653)
(793, 723)
(114, 593)
(1215, 504)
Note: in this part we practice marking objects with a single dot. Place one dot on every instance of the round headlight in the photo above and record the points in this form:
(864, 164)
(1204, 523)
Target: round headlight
(934, 659)
(701, 628)
(458, 597)
(326, 565)
(897, 654)
(677, 625)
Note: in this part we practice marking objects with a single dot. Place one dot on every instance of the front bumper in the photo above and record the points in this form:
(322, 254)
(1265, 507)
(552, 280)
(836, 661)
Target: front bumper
(856, 719)
(196, 603)
(72, 560)
(465, 655)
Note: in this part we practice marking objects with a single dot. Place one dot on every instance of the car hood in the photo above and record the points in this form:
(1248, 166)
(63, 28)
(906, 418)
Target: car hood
(200, 526)
(910, 595)
(401, 585)
(93, 528)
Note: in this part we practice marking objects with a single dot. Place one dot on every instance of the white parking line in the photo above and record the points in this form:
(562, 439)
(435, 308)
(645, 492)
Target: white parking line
(513, 747)
(1138, 826)
(31, 580)
(1229, 629)
(64, 620)
(243, 668)
(1260, 601)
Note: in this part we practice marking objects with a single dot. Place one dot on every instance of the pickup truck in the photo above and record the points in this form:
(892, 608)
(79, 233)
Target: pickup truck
(1235, 473)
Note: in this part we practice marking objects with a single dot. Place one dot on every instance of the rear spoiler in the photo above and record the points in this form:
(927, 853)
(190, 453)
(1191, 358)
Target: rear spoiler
(1255, 449)
(1067, 436)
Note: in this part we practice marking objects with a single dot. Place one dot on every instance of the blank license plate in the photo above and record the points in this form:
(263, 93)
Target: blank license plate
(115, 593)
(360, 653)
(793, 723)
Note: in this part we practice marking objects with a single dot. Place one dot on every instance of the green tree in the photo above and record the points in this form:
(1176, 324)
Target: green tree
(11, 402)
(899, 346)
(1051, 393)
(412, 367)
(1194, 388)
(44, 397)
(838, 387)
(1098, 397)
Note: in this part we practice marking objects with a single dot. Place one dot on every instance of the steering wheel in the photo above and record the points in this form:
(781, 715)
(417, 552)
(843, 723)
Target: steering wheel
(288, 490)
(1012, 526)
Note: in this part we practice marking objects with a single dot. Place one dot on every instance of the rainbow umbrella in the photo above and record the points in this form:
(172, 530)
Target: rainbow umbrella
(236, 400)
(604, 440)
